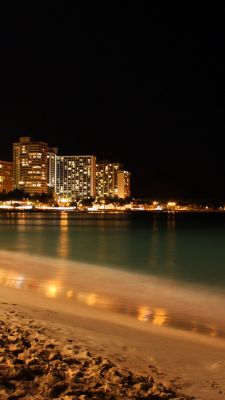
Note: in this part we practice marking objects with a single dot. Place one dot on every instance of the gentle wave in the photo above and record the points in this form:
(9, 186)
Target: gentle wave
(148, 299)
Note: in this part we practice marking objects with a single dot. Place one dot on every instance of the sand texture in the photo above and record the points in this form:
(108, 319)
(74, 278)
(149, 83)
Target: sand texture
(35, 365)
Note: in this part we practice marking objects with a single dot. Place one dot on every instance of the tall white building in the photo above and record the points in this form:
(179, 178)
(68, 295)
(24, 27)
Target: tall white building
(75, 176)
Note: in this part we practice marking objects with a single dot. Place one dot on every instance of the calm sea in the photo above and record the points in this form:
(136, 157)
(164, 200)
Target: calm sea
(188, 247)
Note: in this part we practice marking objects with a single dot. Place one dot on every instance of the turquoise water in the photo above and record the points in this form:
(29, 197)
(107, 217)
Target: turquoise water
(187, 247)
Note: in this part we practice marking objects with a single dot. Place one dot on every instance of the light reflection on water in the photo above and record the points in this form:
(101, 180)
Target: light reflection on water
(63, 246)
(182, 248)
(54, 289)
(189, 248)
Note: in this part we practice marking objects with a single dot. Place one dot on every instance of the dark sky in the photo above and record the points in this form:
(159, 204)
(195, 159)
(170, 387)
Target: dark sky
(144, 86)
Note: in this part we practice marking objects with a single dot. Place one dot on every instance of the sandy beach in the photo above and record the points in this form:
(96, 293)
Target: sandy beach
(39, 363)
(54, 348)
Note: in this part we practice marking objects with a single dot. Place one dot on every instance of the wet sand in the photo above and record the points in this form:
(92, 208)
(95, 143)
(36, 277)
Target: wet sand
(187, 362)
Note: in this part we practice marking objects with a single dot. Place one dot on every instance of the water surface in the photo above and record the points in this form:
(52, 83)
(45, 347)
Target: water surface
(189, 247)
(164, 269)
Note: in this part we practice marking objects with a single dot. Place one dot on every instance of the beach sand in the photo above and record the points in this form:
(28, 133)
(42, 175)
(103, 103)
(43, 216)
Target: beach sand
(39, 363)
(53, 348)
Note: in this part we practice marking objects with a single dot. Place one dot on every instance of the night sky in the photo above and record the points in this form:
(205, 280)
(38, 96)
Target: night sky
(144, 86)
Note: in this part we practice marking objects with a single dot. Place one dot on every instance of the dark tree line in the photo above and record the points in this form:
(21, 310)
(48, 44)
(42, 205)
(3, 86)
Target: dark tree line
(20, 195)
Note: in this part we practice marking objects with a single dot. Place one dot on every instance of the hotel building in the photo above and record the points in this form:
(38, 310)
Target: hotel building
(51, 164)
(106, 178)
(112, 180)
(30, 166)
(6, 176)
(75, 176)
(38, 169)
(123, 184)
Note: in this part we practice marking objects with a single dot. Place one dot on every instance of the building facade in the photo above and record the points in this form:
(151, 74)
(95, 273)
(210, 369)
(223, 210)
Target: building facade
(30, 166)
(75, 176)
(6, 176)
(123, 183)
(51, 164)
(106, 179)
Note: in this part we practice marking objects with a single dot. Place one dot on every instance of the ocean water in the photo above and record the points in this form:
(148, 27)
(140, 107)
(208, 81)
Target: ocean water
(188, 247)
(165, 269)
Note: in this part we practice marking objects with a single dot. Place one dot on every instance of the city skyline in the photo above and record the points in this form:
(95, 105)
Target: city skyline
(167, 193)
(139, 85)
(38, 168)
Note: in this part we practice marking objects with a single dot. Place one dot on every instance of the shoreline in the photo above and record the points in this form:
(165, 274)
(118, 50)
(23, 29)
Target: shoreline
(74, 211)
(188, 362)
(139, 362)
(157, 301)
(37, 361)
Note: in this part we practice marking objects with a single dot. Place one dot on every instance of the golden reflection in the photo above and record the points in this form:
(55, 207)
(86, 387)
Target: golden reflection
(91, 299)
(19, 282)
(57, 287)
(69, 294)
(88, 298)
(52, 289)
(12, 279)
(63, 247)
(21, 226)
(64, 222)
(160, 317)
(143, 313)
(94, 299)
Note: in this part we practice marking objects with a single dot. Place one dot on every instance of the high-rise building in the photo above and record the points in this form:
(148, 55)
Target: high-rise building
(106, 178)
(30, 166)
(75, 176)
(123, 182)
(51, 163)
(6, 176)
